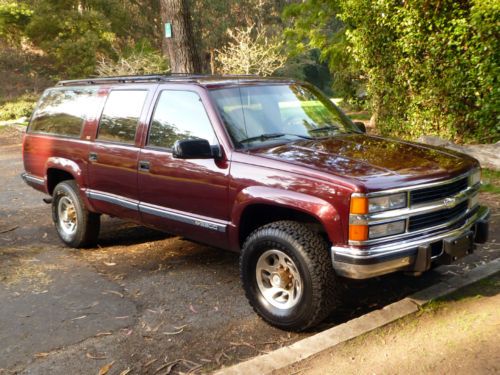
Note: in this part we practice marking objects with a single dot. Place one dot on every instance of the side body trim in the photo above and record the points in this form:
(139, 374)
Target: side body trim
(211, 224)
(183, 218)
(114, 199)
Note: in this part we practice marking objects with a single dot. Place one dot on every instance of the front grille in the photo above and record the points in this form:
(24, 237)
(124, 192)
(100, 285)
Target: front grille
(436, 218)
(438, 192)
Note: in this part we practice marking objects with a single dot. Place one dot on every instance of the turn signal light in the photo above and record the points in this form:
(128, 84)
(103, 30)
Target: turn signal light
(358, 232)
(359, 205)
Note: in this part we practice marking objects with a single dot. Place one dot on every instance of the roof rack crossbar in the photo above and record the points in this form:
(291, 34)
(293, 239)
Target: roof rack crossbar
(146, 78)
(117, 79)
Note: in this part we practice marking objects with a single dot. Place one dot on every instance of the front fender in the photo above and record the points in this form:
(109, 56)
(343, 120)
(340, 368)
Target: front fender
(323, 211)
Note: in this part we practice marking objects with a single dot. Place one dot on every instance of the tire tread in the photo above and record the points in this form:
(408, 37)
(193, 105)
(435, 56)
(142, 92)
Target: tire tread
(325, 284)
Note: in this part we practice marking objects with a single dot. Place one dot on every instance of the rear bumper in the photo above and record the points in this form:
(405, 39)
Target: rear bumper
(35, 182)
(413, 255)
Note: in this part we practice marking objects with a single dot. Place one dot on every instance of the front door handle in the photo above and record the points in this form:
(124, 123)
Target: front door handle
(144, 166)
(92, 156)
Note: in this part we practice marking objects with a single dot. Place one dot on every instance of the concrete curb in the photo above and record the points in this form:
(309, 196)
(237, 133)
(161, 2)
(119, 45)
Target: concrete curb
(319, 342)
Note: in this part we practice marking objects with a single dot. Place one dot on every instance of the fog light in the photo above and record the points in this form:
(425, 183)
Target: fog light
(389, 229)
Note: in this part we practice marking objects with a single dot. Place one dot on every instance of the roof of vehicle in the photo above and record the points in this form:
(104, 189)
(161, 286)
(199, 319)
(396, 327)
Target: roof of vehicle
(205, 80)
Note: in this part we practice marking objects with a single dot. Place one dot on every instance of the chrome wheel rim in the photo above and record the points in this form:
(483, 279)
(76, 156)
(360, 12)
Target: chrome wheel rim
(278, 279)
(66, 214)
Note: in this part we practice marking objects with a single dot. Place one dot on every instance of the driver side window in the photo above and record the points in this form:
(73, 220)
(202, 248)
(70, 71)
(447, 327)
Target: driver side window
(179, 115)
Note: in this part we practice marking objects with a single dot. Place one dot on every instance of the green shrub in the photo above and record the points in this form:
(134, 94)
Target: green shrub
(432, 67)
(22, 107)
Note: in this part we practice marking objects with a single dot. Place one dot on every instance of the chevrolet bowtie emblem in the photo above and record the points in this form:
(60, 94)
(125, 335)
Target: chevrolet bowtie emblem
(449, 202)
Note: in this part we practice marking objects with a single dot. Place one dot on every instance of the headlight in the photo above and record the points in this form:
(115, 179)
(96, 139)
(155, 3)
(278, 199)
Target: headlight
(389, 229)
(387, 202)
(475, 177)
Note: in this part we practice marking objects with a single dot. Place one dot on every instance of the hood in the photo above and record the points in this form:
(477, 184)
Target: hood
(366, 158)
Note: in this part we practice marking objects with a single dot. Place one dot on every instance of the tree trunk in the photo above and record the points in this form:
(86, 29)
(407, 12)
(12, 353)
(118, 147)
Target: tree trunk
(212, 61)
(181, 48)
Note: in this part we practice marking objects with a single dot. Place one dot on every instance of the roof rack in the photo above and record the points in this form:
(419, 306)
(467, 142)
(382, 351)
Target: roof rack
(147, 78)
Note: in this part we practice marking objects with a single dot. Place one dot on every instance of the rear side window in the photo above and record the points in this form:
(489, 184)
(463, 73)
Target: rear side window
(121, 115)
(179, 115)
(62, 111)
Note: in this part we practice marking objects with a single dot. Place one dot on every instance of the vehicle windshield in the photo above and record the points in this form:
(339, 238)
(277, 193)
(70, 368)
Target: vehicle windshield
(259, 114)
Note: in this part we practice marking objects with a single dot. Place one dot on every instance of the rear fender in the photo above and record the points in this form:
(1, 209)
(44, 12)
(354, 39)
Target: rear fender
(73, 169)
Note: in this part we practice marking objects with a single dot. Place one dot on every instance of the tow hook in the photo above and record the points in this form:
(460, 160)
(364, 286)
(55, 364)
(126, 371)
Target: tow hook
(47, 200)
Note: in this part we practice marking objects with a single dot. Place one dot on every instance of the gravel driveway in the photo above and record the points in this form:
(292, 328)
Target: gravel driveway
(142, 301)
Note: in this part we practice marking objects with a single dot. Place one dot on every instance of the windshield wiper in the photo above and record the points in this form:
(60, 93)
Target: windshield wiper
(266, 136)
(324, 128)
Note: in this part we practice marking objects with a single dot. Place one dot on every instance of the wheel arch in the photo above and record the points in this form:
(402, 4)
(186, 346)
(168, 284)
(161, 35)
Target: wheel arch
(61, 169)
(257, 206)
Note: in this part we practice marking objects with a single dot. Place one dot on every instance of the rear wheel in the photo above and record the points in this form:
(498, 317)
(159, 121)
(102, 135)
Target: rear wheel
(76, 226)
(288, 276)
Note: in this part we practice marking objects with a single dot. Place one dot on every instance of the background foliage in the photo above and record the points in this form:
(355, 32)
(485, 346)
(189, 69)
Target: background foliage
(432, 66)
(420, 66)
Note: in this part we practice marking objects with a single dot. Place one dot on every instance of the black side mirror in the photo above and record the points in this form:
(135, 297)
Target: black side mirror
(192, 149)
(361, 126)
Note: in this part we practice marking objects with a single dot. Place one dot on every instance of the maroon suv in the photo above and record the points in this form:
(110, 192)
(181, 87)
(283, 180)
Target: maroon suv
(269, 168)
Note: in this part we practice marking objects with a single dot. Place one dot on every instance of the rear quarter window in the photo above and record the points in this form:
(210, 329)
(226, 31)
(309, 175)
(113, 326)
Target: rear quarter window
(63, 111)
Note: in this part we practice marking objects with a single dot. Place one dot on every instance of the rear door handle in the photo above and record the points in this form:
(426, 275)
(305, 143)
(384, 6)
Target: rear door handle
(144, 166)
(92, 156)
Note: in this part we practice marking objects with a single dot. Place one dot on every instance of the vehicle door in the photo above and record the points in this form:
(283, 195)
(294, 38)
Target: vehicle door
(114, 154)
(187, 197)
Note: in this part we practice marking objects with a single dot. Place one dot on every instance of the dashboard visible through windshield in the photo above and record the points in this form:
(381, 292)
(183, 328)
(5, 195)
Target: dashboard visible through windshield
(259, 114)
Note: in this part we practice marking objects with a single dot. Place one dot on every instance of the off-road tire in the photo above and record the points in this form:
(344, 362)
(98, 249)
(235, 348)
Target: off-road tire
(88, 223)
(309, 251)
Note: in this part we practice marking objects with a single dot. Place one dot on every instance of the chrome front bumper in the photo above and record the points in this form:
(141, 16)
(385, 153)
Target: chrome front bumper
(362, 263)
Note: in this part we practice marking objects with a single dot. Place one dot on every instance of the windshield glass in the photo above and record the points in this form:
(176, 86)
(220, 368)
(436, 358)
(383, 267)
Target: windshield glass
(281, 112)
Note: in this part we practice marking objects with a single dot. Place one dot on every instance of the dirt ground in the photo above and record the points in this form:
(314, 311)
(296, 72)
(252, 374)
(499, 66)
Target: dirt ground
(143, 301)
(455, 335)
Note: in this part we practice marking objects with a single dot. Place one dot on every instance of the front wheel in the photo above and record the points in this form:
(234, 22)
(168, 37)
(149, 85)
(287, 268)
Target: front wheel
(288, 276)
(76, 226)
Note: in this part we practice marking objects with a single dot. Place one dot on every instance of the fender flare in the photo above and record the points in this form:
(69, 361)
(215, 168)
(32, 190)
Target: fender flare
(73, 169)
(324, 212)
(65, 165)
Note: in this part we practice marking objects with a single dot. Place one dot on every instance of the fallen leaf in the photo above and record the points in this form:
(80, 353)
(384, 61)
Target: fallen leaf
(174, 333)
(103, 334)
(113, 292)
(125, 372)
(80, 317)
(91, 356)
(41, 355)
(150, 362)
(105, 369)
